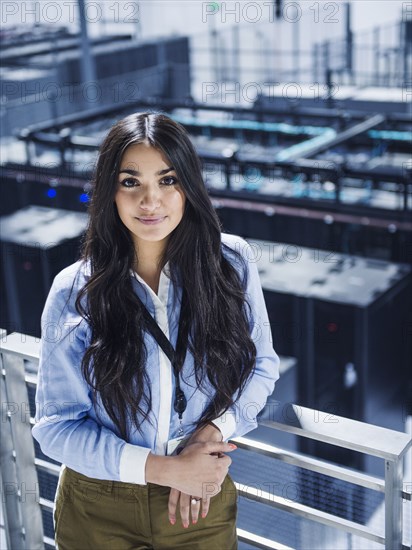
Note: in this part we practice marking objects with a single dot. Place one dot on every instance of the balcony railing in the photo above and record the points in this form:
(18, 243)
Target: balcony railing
(23, 507)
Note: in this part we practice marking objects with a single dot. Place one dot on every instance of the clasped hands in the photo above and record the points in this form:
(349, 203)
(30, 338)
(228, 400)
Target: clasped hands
(201, 451)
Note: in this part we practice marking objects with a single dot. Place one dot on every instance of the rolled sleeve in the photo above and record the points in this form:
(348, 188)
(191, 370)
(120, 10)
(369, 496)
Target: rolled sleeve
(226, 423)
(133, 464)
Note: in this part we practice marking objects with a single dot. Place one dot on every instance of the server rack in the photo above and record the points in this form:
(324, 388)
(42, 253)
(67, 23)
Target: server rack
(36, 243)
(345, 319)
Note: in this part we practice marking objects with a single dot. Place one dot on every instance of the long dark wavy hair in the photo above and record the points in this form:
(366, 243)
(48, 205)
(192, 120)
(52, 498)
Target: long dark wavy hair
(217, 312)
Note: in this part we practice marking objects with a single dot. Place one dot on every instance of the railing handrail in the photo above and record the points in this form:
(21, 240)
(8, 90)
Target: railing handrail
(350, 434)
(287, 417)
(22, 345)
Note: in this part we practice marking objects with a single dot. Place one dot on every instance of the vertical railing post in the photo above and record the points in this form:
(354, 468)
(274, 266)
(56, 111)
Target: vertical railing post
(393, 504)
(13, 521)
(376, 57)
(326, 61)
(87, 61)
(17, 461)
(235, 76)
(315, 62)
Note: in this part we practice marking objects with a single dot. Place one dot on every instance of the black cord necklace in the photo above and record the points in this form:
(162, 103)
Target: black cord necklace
(176, 356)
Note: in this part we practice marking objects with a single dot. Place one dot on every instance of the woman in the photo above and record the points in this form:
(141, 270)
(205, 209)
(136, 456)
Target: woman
(140, 422)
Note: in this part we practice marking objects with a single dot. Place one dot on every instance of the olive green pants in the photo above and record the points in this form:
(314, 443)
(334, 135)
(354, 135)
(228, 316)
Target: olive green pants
(97, 514)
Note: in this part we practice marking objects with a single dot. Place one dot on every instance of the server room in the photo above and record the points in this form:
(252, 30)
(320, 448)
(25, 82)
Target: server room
(232, 182)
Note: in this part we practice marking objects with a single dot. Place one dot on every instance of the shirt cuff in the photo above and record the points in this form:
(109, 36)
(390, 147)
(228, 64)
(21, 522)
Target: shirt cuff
(226, 424)
(133, 464)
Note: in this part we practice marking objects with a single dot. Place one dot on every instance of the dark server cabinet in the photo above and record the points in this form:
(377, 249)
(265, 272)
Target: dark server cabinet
(22, 186)
(117, 59)
(345, 320)
(364, 240)
(36, 243)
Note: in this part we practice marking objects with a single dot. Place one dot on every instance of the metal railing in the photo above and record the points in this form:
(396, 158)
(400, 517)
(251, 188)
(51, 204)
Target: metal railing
(23, 505)
(301, 51)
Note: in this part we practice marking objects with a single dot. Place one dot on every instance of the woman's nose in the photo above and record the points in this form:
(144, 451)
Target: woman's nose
(150, 198)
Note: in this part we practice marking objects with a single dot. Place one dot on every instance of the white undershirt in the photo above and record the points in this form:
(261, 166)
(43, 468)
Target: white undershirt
(165, 367)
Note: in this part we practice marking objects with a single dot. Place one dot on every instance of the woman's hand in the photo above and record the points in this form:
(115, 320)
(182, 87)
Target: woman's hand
(204, 435)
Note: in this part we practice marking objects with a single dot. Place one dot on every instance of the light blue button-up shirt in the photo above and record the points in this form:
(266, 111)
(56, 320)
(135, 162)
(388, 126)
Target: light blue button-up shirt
(68, 427)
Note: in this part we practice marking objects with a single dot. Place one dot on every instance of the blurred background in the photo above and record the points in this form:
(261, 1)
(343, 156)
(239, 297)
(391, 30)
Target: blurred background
(301, 114)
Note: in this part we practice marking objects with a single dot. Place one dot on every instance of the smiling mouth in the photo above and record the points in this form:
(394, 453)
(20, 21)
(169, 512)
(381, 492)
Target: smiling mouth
(151, 221)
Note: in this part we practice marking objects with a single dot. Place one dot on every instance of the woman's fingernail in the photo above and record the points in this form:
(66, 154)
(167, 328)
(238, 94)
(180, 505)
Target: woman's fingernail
(204, 514)
(172, 521)
(185, 524)
(194, 520)
(233, 445)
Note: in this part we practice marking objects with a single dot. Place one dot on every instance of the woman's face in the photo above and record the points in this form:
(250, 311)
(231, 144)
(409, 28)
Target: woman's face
(149, 198)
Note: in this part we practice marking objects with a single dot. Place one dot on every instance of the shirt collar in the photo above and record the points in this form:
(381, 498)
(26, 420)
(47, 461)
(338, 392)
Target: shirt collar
(163, 291)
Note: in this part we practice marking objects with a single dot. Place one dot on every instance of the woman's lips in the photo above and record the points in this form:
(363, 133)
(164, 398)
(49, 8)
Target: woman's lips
(151, 221)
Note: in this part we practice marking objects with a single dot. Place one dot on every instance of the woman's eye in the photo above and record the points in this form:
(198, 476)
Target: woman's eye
(170, 180)
(128, 182)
